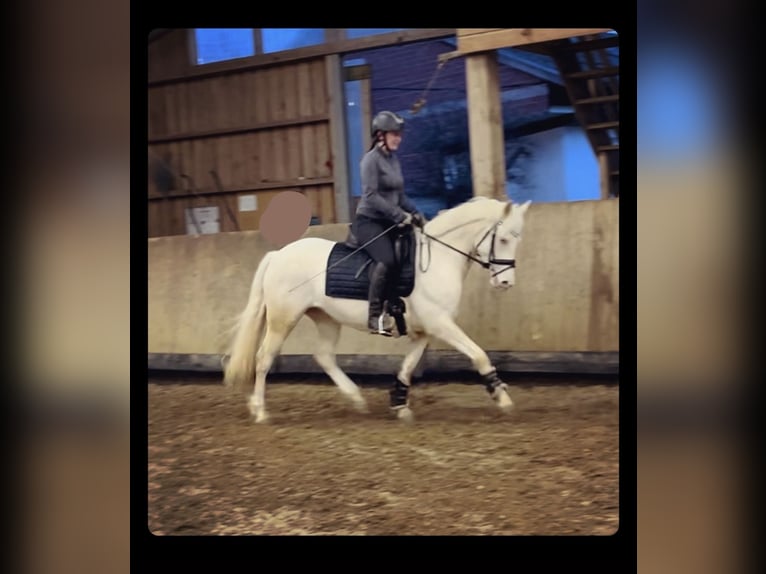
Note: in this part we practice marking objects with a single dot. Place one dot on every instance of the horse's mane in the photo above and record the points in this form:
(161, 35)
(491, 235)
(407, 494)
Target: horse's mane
(478, 207)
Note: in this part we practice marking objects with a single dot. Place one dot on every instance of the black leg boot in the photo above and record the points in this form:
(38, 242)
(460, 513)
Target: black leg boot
(394, 305)
(377, 295)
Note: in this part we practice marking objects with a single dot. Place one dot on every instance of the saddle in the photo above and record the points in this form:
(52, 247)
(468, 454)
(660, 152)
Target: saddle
(403, 240)
(349, 278)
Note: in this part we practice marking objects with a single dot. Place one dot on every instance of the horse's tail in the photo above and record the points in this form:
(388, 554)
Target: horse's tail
(240, 368)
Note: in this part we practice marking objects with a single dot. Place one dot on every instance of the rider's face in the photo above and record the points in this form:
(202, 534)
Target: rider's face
(393, 139)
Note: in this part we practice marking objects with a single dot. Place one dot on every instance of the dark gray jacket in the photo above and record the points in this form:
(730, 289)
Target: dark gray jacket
(383, 187)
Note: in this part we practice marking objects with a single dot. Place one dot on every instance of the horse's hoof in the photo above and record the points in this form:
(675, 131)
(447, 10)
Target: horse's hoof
(504, 401)
(405, 415)
(261, 418)
(501, 396)
(362, 408)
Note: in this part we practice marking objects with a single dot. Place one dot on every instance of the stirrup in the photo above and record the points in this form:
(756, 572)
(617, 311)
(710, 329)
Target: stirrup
(381, 328)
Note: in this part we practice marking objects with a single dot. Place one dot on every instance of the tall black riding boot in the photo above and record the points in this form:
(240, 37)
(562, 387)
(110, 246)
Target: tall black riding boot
(394, 306)
(377, 295)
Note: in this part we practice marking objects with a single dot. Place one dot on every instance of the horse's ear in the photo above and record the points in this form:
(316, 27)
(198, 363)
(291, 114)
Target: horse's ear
(507, 210)
(524, 206)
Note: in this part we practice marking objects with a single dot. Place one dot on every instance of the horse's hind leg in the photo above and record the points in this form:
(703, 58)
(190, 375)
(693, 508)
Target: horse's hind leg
(276, 333)
(329, 332)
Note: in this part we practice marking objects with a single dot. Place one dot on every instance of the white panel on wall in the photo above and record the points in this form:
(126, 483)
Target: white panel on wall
(206, 218)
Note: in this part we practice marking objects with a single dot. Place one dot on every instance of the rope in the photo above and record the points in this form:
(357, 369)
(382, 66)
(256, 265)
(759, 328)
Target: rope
(421, 101)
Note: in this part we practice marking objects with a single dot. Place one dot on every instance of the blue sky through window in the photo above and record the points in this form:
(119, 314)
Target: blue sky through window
(218, 44)
(278, 39)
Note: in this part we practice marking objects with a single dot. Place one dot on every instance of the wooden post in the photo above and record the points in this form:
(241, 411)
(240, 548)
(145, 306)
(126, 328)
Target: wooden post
(485, 124)
(334, 35)
(257, 41)
(603, 168)
(366, 112)
(336, 99)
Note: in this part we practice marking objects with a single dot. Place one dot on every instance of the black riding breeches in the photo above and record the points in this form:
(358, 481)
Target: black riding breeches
(382, 249)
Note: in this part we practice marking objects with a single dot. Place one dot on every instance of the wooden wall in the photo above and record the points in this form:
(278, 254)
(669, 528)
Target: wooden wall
(265, 123)
(169, 55)
(262, 130)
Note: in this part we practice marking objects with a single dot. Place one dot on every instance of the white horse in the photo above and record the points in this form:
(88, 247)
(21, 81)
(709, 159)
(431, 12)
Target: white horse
(486, 231)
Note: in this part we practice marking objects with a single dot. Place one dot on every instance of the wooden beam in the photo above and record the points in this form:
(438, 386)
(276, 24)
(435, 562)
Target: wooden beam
(306, 182)
(602, 125)
(597, 44)
(598, 99)
(597, 87)
(334, 34)
(612, 81)
(307, 53)
(603, 168)
(337, 108)
(485, 125)
(465, 32)
(484, 39)
(258, 40)
(240, 129)
(595, 73)
(191, 43)
(434, 362)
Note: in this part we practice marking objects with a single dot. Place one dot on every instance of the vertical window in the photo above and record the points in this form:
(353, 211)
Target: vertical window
(218, 44)
(355, 125)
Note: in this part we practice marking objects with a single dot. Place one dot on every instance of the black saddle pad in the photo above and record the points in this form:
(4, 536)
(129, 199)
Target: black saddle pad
(350, 278)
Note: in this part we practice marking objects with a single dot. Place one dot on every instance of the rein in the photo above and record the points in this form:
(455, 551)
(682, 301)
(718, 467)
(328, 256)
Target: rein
(509, 263)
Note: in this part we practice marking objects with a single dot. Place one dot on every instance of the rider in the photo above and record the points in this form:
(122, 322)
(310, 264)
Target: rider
(383, 204)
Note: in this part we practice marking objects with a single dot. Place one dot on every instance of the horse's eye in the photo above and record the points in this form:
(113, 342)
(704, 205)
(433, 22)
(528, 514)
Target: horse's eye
(503, 240)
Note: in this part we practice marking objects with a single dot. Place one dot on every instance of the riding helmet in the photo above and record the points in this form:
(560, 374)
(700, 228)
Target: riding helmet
(387, 122)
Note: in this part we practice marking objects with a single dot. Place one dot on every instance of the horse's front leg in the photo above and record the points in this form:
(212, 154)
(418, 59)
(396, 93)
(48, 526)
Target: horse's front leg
(448, 331)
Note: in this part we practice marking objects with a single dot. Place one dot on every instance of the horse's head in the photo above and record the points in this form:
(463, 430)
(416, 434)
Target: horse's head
(498, 245)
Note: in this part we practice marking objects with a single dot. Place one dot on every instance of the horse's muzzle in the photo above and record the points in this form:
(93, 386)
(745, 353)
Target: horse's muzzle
(501, 283)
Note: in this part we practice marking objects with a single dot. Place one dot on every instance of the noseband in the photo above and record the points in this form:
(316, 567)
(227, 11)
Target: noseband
(509, 263)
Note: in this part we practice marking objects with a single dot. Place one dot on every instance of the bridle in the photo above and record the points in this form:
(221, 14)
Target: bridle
(491, 260)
